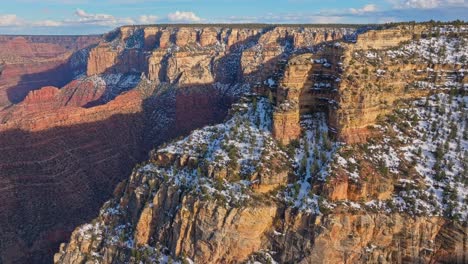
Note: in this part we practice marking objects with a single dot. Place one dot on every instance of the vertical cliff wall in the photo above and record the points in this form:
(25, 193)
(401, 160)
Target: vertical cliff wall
(355, 83)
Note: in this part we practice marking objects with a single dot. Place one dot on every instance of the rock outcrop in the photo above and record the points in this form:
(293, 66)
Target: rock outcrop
(209, 37)
(208, 232)
(67, 145)
(171, 207)
(369, 238)
(202, 55)
(204, 230)
(286, 125)
(103, 123)
(355, 83)
(101, 59)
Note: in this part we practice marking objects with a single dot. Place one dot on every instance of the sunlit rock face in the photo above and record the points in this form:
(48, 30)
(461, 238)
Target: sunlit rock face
(268, 145)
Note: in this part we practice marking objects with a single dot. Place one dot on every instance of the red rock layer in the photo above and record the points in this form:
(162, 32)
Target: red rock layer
(35, 61)
(18, 79)
(58, 165)
(55, 179)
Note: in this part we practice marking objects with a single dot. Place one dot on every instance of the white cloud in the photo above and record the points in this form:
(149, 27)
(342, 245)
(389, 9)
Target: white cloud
(81, 18)
(421, 3)
(326, 19)
(365, 9)
(97, 19)
(47, 23)
(147, 19)
(81, 13)
(428, 4)
(179, 16)
(10, 20)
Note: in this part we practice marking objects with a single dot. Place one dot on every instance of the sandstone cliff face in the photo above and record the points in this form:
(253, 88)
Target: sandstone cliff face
(249, 200)
(196, 230)
(188, 69)
(200, 55)
(150, 36)
(367, 91)
(306, 38)
(209, 232)
(101, 59)
(204, 230)
(221, 235)
(355, 83)
(177, 201)
(376, 186)
(384, 39)
(185, 36)
(286, 126)
(341, 238)
(209, 37)
(308, 84)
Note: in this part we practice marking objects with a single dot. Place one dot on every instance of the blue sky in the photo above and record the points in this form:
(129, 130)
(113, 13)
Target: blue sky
(99, 16)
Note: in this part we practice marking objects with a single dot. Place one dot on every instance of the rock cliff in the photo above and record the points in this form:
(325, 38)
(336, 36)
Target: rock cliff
(189, 202)
(31, 62)
(103, 107)
(191, 55)
(355, 83)
(274, 182)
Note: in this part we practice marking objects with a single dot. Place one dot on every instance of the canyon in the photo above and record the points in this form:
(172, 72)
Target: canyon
(234, 138)
(106, 102)
(30, 62)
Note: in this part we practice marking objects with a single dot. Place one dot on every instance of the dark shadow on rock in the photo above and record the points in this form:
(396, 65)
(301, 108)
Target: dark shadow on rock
(57, 76)
(54, 180)
(125, 83)
(56, 73)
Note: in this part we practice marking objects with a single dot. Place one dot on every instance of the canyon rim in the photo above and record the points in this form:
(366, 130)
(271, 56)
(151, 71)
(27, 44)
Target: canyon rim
(235, 143)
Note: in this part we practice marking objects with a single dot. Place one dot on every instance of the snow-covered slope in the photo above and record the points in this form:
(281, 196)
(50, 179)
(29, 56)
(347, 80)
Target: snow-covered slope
(423, 150)
(239, 148)
(443, 50)
(432, 135)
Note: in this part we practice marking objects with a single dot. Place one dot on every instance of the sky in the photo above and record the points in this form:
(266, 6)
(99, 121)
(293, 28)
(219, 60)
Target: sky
(74, 17)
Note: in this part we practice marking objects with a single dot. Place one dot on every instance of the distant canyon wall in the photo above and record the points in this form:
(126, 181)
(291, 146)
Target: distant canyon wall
(31, 62)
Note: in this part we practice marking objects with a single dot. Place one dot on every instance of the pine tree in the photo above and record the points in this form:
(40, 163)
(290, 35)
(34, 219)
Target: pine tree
(439, 154)
(303, 166)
